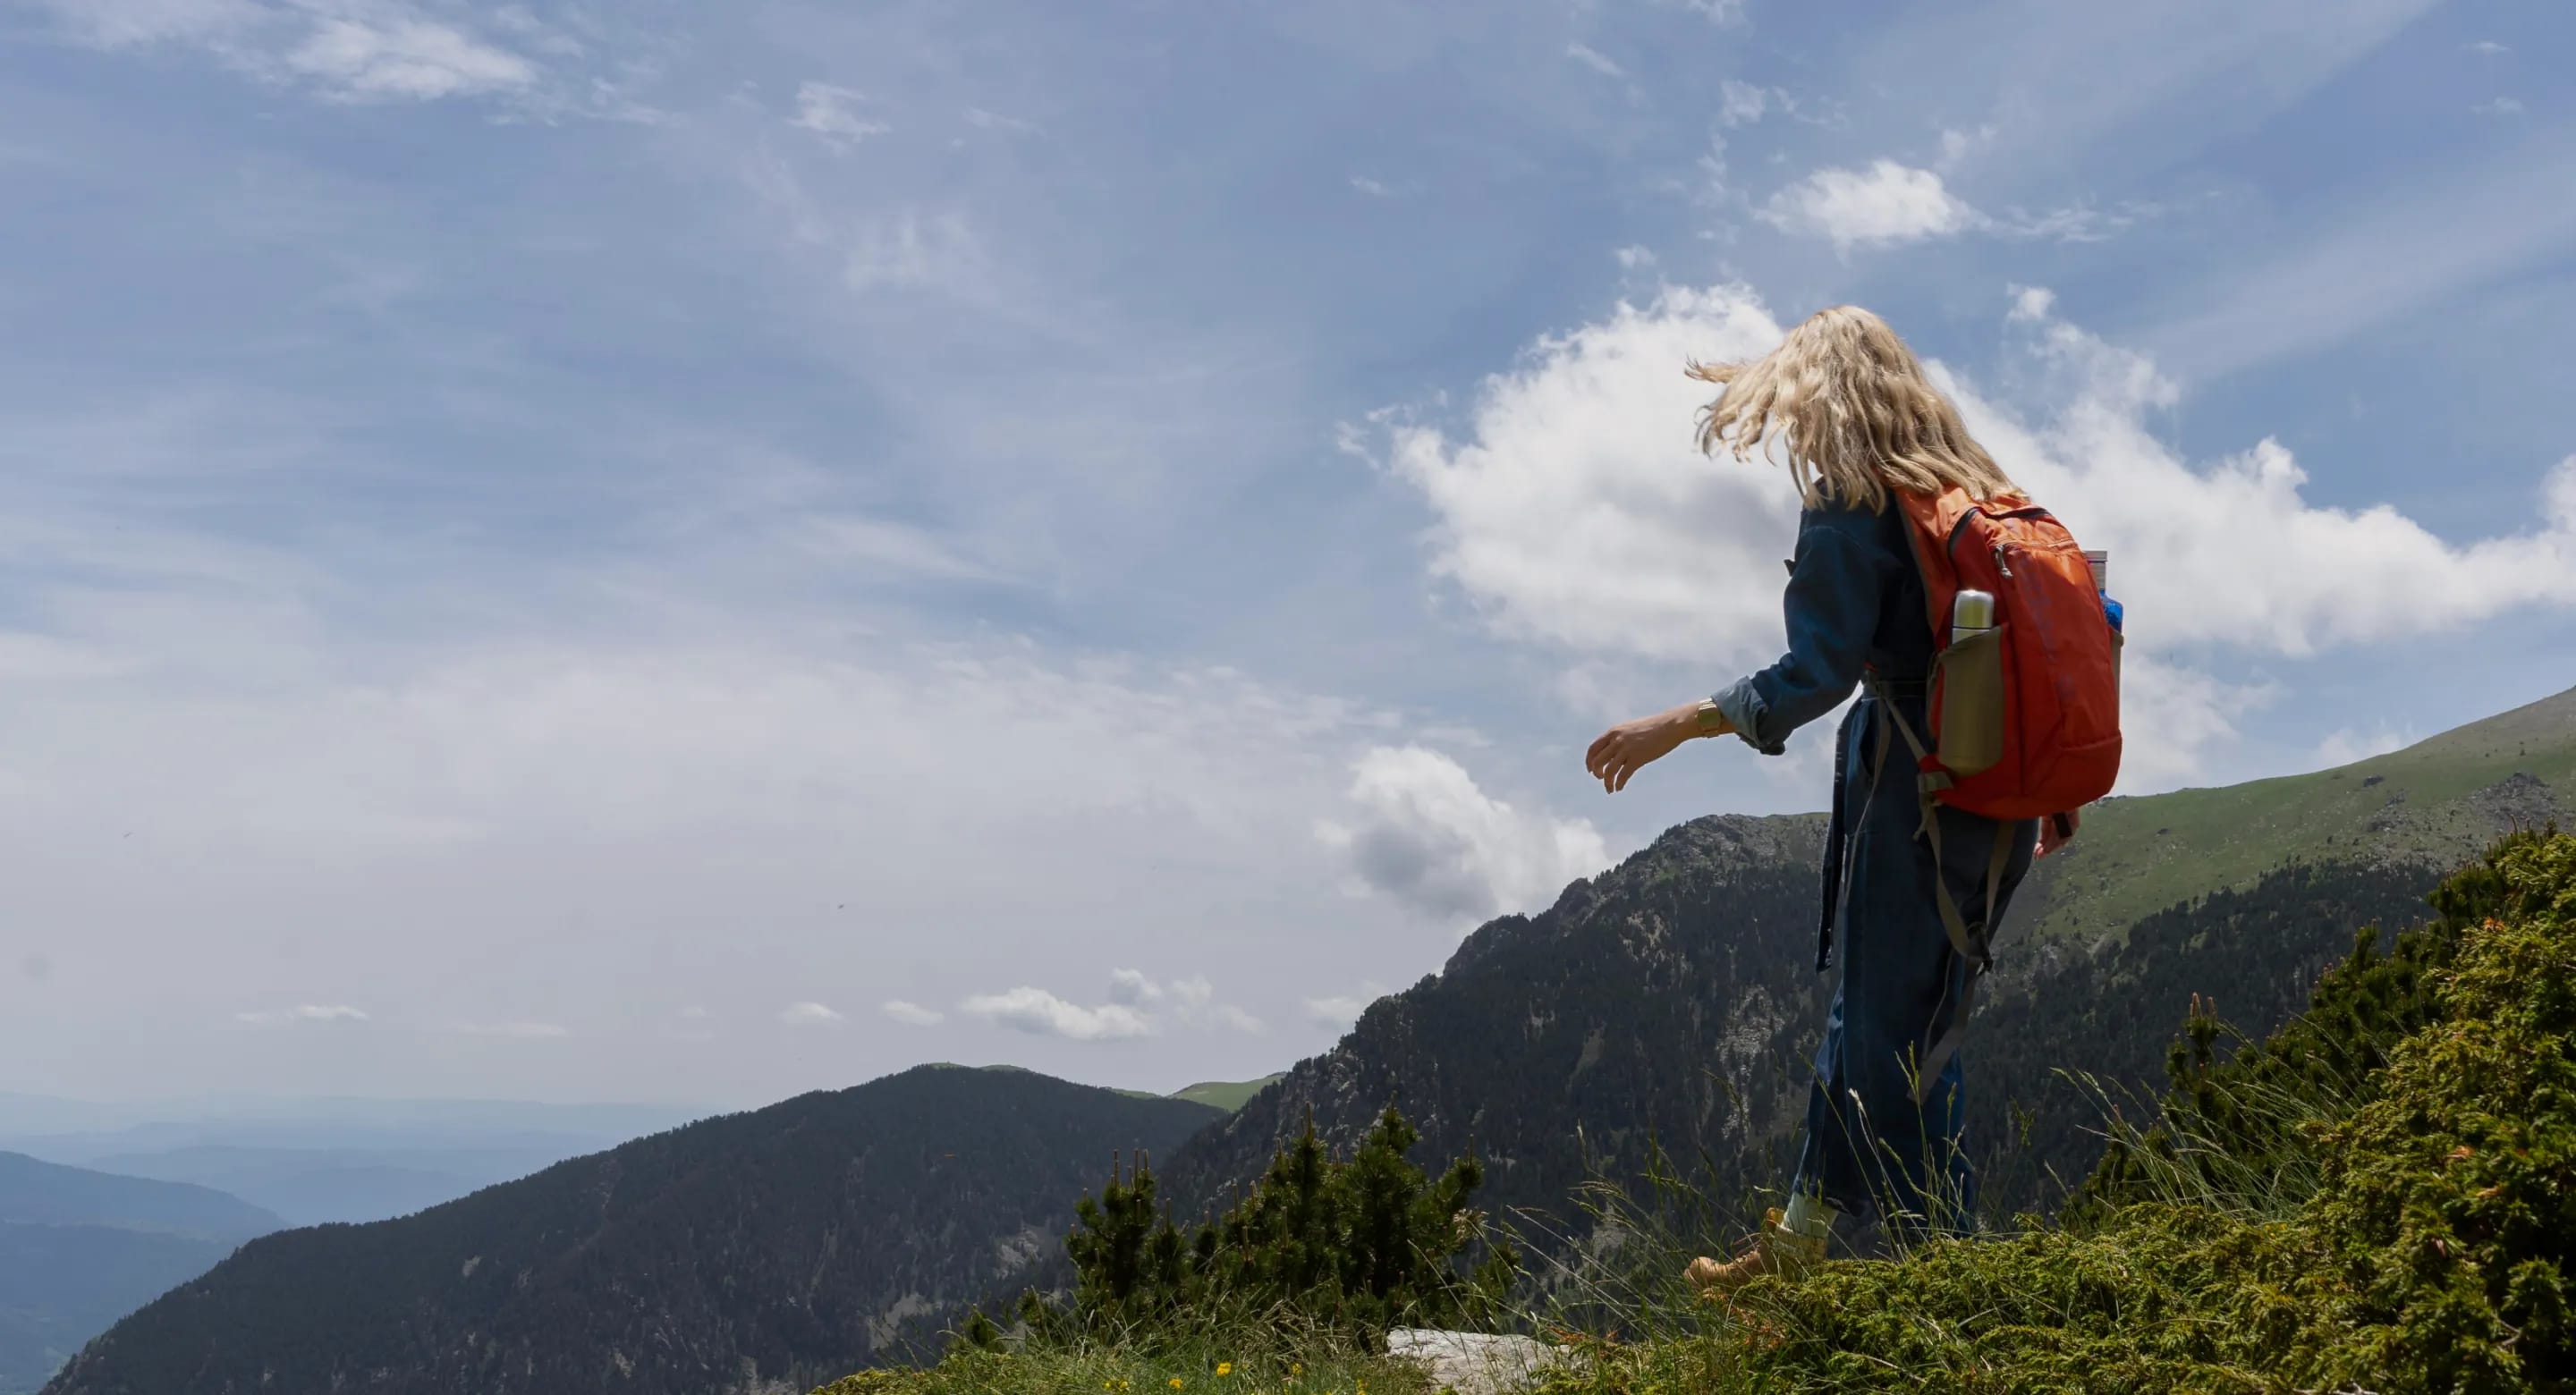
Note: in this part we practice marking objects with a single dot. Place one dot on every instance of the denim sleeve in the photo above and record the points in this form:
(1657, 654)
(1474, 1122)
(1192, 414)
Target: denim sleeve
(1835, 584)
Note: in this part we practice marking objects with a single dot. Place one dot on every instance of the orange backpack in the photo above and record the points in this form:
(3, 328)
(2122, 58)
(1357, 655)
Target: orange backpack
(2025, 715)
(2037, 730)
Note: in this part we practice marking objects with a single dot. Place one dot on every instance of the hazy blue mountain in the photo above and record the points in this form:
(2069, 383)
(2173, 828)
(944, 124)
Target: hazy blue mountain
(36, 1192)
(80, 1249)
(759, 1251)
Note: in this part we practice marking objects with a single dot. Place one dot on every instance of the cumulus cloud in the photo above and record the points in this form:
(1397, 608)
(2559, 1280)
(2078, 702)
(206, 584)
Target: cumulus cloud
(911, 1014)
(309, 1012)
(832, 113)
(1574, 512)
(1886, 203)
(1425, 835)
(2501, 106)
(1041, 1013)
(1890, 203)
(807, 1014)
(1130, 988)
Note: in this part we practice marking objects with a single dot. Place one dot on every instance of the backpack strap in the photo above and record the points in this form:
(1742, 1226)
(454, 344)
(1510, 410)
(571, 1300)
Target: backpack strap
(1970, 943)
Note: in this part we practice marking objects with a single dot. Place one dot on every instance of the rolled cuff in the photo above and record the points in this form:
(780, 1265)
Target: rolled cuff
(1748, 713)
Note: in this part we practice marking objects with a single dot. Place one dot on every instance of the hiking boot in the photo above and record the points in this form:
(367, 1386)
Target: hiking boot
(1777, 1250)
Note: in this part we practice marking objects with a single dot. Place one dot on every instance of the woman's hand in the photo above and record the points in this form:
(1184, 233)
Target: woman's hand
(1629, 747)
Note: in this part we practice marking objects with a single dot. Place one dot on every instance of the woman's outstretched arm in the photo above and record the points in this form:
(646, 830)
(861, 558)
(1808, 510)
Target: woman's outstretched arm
(1835, 582)
(1841, 569)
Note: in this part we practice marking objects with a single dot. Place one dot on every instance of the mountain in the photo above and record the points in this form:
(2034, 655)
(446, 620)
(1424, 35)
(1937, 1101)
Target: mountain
(312, 1186)
(316, 1160)
(1671, 1003)
(1228, 1095)
(80, 1249)
(761, 1251)
(43, 1193)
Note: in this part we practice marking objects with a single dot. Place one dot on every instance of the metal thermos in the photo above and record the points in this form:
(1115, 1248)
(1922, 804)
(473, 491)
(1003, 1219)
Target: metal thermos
(1971, 613)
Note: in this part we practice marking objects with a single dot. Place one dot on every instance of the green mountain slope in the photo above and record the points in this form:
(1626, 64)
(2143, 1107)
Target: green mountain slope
(2435, 803)
(739, 1253)
(1228, 1095)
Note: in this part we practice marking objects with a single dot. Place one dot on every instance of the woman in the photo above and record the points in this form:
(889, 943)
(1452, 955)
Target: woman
(1859, 420)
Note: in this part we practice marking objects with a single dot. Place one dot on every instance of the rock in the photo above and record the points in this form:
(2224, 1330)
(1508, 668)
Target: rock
(1473, 1363)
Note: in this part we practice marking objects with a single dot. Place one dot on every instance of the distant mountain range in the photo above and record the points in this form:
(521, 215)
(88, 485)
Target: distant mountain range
(752, 1252)
(80, 1249)
(1669, 1002)
(318, 1160)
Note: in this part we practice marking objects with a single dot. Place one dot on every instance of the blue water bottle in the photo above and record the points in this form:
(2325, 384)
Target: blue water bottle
(2101, 564)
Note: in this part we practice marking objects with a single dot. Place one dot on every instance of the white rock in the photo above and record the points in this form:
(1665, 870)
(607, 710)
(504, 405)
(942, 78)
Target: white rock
(1473, 1363)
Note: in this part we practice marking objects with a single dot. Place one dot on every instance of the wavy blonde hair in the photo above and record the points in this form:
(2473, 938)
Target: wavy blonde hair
(1859, 417)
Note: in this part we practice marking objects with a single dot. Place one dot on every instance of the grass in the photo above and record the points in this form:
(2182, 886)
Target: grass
(1253, 1360)
(2137, 856)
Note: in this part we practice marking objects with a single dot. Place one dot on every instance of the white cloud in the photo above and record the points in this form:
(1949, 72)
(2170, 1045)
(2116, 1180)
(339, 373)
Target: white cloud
(2348, 745)
(2344, 746)
(1594, 59)
(1235, 1018)
(357, 50)
(1339, 1011)
(308, 1012)
(2501, 106)
(1041, 1013)
(830, 112)
(1426, 836)
(2486, 48)
(525, 1031)
(1884, 204)
(1370, 187)
(694, 1014)
(807, 1014)
(911, 1014)
(1130, 988)
(1890, 203)
(1742, 103)
(405, 57)
(1575, 513)
(1634, 258)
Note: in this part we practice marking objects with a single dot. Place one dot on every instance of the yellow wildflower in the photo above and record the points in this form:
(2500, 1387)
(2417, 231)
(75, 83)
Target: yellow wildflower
(1225, 1368)
(1176, 1382)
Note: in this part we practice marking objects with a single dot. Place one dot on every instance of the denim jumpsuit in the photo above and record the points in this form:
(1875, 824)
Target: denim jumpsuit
(1856, 598)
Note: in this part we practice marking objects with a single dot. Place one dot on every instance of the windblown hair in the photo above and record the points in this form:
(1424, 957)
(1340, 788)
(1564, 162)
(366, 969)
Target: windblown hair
(1850, 401)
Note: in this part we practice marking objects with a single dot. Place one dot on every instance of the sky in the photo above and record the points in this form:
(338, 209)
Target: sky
(689, 552)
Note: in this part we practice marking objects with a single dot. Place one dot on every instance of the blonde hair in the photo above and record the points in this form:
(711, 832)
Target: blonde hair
(1852, 404)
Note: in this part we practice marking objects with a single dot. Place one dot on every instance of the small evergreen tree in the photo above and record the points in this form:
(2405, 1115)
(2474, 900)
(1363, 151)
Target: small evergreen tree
(1359, 1244)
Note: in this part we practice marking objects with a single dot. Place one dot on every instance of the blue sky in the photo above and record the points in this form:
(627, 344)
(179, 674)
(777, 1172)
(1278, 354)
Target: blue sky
(693, 552)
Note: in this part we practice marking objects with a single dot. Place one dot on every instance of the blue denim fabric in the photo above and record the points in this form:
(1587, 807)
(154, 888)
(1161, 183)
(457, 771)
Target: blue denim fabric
(1855, 598)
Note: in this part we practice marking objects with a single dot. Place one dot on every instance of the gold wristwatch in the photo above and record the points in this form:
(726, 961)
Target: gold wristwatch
(1711, 720)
